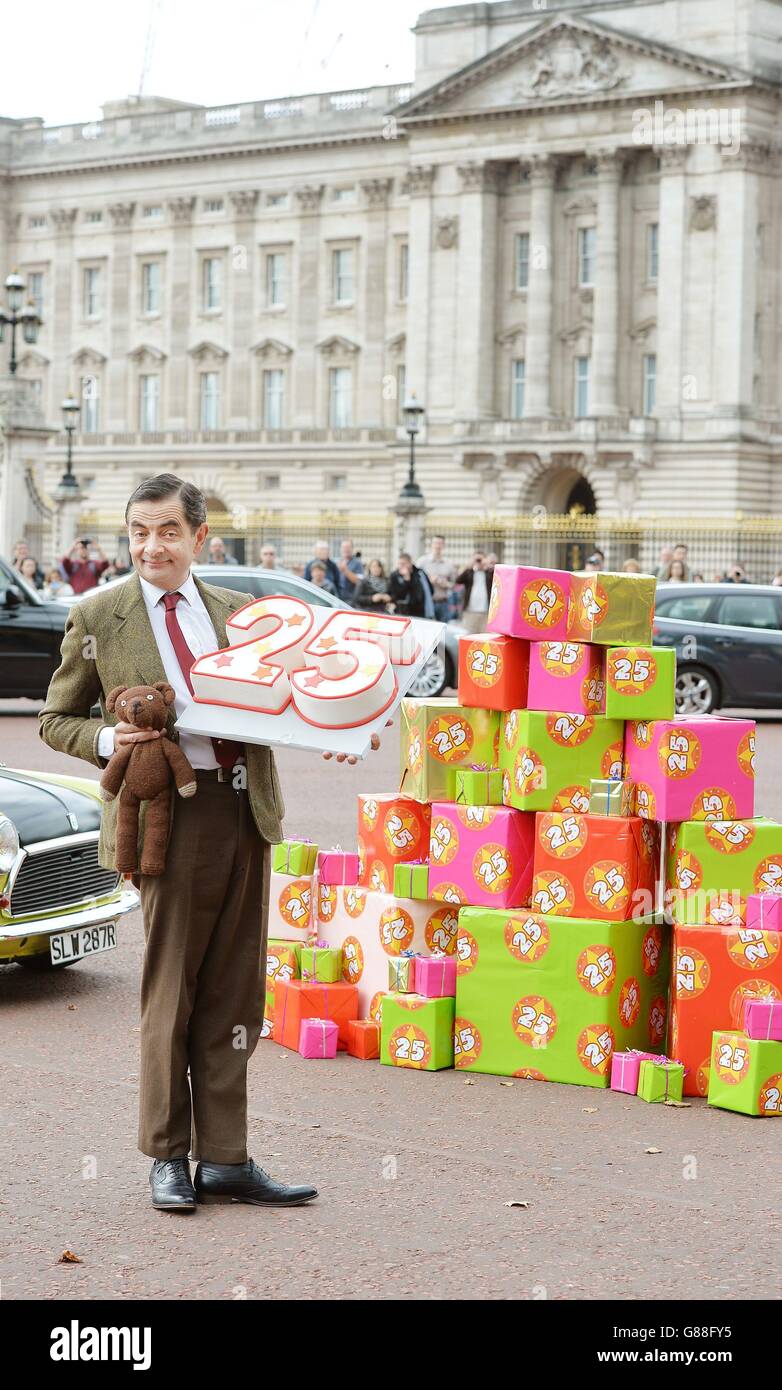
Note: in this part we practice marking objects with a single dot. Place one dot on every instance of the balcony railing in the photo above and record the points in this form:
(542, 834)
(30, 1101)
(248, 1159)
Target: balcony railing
(359, 434)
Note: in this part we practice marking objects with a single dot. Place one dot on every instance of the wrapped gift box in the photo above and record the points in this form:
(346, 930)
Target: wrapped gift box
(439, 736)
(714, 972)
(336, 867)
(478, 786)
(566, 676)
(625, 1067)
(290, 907)
(693, 767)
(614, 610)
(295, 1000)
(318, 1037)
(411, 881)
(640, 682)
(713, 866)
(746, 1075)
(493, 671)
(611, 796)
(549, 759)
(480, 854)
(364, 1038)
(660, 1080)
(283, 961)
(401, 974)
(417, 1032)
(762, 1019)
(552, 998)
(528, 602)
(435, 976)
(764, 910)
(296, 858)
(601, 867)
(392, 829)
(323, 963)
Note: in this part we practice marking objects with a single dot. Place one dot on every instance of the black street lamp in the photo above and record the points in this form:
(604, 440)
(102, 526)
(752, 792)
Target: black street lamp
(412, 411)
(28, 316)
(70, 415)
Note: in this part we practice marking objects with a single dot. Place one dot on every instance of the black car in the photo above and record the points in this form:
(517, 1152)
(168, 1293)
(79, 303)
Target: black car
(728, 640)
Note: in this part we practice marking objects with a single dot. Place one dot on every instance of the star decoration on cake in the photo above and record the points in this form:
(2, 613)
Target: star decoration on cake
(326, 643)
(313, 680)
(296, 620)
(223, 660)
(368, 670)
(262, 671)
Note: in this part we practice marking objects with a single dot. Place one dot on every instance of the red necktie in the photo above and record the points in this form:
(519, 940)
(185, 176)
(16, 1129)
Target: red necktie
(226, 750)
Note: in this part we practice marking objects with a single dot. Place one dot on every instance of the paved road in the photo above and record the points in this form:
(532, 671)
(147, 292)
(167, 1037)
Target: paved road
(415, 1169)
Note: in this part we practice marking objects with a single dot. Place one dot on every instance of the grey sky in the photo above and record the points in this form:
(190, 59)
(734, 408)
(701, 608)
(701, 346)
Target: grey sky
(70, 58)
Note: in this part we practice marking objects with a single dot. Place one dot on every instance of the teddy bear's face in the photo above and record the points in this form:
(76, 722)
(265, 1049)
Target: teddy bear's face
(145, 706)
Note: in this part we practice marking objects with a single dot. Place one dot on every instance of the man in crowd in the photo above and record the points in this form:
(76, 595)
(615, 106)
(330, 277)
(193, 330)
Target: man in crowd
(320, 554)
(218, 555)
(441, 574)
(268, 557)
(319, 577)
(351, 571)
(476, 581)
(83, 567)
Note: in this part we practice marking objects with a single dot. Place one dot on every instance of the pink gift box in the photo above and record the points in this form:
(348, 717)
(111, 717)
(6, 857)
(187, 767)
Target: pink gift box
(435, 976)
(481, 855)
(763, 1019)
(318, 1037)
(335, 867)
(528, 602)
(625, 1067)
(764, 910)
(693, 767)
(567, 676)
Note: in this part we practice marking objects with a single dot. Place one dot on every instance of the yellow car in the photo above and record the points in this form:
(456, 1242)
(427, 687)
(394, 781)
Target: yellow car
(57, 905)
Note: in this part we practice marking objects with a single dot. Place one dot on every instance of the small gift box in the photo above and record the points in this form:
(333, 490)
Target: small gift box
(411, 881)
(763, 1019)
(364, 1039)
(608, 796)
(321, 962)
(318, 1037)
(435, 976)
(401, 973)
(625, 1067)
(764, 910)
(478, 786)
(336, 867)
(295, 857)
(660, 1080)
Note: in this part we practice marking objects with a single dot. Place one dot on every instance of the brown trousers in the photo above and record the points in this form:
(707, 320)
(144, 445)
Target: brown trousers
(203, 979)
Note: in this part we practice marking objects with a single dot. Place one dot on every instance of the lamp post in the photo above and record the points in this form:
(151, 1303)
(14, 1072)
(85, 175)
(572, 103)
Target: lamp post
(70, 416)
(412, 410)
(410, 506)
(28, 316)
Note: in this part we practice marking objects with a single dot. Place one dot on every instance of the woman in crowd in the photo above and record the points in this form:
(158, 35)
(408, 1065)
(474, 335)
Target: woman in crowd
(372, 589)
(409, 589)
(28, 568)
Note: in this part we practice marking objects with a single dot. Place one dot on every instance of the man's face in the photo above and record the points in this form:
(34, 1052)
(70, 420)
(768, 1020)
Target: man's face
(21, 550)
(216, 551)
(268, 557)
(680, 553)
(322, 551)
(82, 554)
(437, 547)
(162, 545)
(347, 550)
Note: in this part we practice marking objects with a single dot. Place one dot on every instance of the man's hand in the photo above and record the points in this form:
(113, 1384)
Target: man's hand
(351, 757)
(128, 733)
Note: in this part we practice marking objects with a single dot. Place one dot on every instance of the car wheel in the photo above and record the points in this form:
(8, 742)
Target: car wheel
(43, 963)
(431, 679)
(697, 691)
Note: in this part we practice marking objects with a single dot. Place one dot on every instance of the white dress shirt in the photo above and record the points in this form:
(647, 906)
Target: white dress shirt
(201, 637)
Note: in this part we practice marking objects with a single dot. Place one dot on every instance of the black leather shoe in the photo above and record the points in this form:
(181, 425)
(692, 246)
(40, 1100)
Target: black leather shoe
(172, 1189)
(246, 1182)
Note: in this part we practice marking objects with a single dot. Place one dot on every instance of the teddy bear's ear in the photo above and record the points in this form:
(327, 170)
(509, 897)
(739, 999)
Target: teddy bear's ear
(167, 691)
(113, 696)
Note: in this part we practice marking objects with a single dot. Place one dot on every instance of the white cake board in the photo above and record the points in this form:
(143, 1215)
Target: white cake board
(288, 729)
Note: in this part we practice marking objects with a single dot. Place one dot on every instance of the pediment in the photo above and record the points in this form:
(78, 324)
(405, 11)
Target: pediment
(271, 347)
(88, 357)
(335, 344)
(206, 349)
(31, 359)
(146, 353)
(562, 60)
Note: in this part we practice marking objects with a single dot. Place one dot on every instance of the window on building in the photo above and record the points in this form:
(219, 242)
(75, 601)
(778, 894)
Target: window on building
(94, 217)
(275, 278)
(336, 482)
(342, 275)
(213, 205)
(521, 260)
(89, 419)
(652, 242)
(91, 292)
(404, 271)
(272, 482)
(152, 211)
(581, 402)
(650, 382)
(586, 255)
(149, 403)
(340, 397)
(273, 398)
(213, 282)
(401, 388)
(35, 290)
(36, 222)
(37, 386)
(277, 200)
(518, 382)
(150, 287)
(344, 195)
(210, 400)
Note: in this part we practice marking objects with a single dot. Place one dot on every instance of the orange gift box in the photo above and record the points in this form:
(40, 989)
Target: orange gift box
(364, 1038)
(493, 671)
(392, 829)
(298, 999)
(598, 867)
(714, 971)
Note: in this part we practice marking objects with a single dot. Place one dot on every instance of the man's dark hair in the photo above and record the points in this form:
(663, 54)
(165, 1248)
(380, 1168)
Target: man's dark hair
(168, 485)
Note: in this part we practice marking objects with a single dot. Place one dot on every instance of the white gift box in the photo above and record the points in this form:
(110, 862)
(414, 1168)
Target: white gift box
(290, 906)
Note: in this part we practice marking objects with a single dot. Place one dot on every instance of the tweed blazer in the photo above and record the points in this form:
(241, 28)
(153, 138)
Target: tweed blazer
(109, 641)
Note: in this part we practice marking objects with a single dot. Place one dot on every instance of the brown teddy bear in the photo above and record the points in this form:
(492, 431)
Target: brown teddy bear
(146, 768)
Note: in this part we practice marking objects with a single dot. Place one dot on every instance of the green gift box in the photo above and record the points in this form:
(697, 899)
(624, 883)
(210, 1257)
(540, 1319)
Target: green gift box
(640, 683)
(549, 759)
(439, 736)
(611, 610)
(294, 857)
(478, 787)
(321, 963)
(745, 1074)
(401, 974)
(611, 797)
(661, 1080)
(411, 881)
(416, 1032)
(714, 865)
(551, 998)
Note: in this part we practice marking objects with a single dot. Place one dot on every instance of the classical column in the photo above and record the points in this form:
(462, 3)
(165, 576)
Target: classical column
(61, 327)
(373, 301)
(305, 366)
(671, 246)
(732, 219)
(605, 320)
(181, 311)
(122, 310)
(542, 173)
(420, 180)
(244, 254)
(477, 279)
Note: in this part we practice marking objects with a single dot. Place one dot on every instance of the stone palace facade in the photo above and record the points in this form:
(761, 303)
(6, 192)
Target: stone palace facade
(564, 237)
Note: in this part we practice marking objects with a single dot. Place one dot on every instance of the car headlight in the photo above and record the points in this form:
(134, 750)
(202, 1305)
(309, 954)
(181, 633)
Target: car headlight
(9, 844)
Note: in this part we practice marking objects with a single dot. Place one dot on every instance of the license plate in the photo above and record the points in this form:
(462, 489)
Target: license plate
(83, 941)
